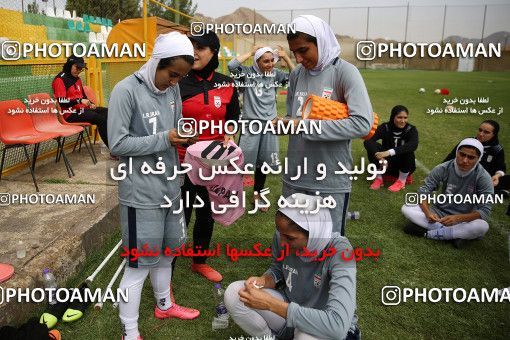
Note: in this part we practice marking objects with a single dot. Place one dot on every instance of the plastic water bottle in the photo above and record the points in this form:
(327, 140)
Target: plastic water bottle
(21, 252)
(220, 321)
(353, 215)
(49, 281)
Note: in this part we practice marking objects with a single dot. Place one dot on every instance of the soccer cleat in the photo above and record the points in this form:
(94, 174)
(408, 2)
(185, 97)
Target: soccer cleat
(176, 311)
(53, 314)
(76, 309)
(206, 271)
(377, 184)
(397, 186)
(414, 229)
(54, 334)
(139, 338)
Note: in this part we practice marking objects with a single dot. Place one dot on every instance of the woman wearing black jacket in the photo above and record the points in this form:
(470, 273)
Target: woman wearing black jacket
(399, 141)
(203, 99)
(493, 158)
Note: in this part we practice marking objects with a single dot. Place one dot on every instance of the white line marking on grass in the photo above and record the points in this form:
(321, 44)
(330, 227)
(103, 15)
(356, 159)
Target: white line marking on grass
(421, 166)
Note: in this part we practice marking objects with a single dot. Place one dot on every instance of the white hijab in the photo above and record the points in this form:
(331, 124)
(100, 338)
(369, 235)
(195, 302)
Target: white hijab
(318, 225)
(167, 45)
(259, 53)
(327, 45)
(468, 142)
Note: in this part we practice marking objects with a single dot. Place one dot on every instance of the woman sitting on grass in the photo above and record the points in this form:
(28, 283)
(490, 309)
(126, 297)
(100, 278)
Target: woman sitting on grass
(462, 177)
(493, 158)
(399, 141)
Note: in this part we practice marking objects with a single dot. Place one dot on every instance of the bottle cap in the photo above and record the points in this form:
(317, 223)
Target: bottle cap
(217, 285)
(46, 270)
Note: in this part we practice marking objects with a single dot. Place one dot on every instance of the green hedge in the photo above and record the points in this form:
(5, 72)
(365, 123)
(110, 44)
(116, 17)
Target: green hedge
(38, 19)
(66, 34)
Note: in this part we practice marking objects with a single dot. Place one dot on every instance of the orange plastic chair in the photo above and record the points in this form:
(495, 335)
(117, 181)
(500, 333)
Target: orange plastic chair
(17, 130)
(44, 117)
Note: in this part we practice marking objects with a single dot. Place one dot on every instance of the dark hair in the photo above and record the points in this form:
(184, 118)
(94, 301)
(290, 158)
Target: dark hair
(494, 124)
(165, 62)
(293, 224)
(397, 109)
(471, 147)
(307, 37)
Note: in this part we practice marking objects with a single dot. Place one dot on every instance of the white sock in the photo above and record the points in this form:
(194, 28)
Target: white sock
(402, 176)
(132, 280)
(160, 280)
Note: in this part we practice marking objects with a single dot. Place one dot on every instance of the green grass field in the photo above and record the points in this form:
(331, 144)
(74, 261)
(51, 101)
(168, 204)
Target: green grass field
(405, 261)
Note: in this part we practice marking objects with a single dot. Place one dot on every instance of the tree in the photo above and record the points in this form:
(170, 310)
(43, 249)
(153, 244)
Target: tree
(184, 6)
(111, 9)
(33, 8)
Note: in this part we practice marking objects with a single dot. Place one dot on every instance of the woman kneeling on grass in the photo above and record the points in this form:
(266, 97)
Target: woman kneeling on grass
(318, 298)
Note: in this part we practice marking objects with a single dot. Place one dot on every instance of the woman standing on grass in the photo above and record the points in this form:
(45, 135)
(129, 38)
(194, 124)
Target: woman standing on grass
(323, 73)
(142, 129)
(399, 141)
(260, 83)
(203, 100)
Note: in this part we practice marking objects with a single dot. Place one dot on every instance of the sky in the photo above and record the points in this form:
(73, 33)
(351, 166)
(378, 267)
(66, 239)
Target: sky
(425, 24)
(216, 8)
(386, 18)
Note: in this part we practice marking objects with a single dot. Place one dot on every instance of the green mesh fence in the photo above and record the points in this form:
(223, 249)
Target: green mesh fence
(54, 33)
(112, 73)
(17, 82)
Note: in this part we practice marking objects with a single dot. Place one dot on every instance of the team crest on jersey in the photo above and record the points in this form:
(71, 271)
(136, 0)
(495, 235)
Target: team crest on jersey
(217, 101)
(317, 280)
(489, 158)
(450, 188)
(326, 93)
(172, 106)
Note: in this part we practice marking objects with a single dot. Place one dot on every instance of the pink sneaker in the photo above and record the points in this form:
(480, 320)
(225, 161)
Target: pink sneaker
(397, 186)
(376, 184)
(176, 311)
(206, 271)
